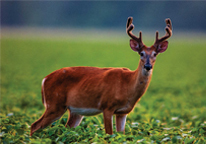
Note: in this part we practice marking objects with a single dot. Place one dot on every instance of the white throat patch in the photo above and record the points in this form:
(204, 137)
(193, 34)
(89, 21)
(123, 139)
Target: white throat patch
(147, 73)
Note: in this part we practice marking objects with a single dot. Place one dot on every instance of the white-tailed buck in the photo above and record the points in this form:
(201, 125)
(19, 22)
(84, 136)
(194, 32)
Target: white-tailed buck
(87, 91)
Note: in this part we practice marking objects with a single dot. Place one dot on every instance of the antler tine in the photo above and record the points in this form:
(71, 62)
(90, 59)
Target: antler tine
(129, 21)
(168, 30)
(129, 29)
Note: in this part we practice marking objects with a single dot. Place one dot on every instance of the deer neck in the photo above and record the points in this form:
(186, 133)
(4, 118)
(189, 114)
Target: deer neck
(141, 82)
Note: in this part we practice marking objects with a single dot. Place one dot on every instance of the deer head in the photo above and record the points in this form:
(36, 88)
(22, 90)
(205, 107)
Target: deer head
(148, 54)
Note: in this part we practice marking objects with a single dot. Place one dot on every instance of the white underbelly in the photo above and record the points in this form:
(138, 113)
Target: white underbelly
(85, 111)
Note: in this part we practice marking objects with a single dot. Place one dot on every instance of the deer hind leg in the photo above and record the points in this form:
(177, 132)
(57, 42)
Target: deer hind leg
(50, 115)
(73, 120)
(120, 123)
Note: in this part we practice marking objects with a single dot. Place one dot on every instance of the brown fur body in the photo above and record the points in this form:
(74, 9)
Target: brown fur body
(99, 88)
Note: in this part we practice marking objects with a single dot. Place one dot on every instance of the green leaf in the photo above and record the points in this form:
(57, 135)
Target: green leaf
(20, 131)
(166, 139)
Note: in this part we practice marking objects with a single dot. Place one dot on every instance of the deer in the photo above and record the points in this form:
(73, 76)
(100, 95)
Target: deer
(88, 91)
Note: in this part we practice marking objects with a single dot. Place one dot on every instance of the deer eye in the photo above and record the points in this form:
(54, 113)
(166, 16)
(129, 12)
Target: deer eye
(155, 54)
(141, 54)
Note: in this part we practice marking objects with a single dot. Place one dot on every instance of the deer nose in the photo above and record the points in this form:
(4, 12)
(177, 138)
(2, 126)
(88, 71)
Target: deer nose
(148, 67)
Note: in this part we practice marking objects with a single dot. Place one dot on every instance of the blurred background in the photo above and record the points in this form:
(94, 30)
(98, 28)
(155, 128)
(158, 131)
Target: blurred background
(185, 15)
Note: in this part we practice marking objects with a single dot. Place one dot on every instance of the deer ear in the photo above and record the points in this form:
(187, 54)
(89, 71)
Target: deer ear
(162, 47)
(134, 45)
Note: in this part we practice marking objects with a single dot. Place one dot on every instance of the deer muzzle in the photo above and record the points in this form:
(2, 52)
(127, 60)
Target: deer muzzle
(148, 65)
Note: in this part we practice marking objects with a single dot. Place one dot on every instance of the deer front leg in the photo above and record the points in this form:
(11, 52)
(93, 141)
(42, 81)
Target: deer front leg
(108, 115)
(120, 122)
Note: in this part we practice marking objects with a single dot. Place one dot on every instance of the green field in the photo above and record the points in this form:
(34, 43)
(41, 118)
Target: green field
(173, 110)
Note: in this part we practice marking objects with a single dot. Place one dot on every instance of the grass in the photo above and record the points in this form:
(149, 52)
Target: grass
(172, 110)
